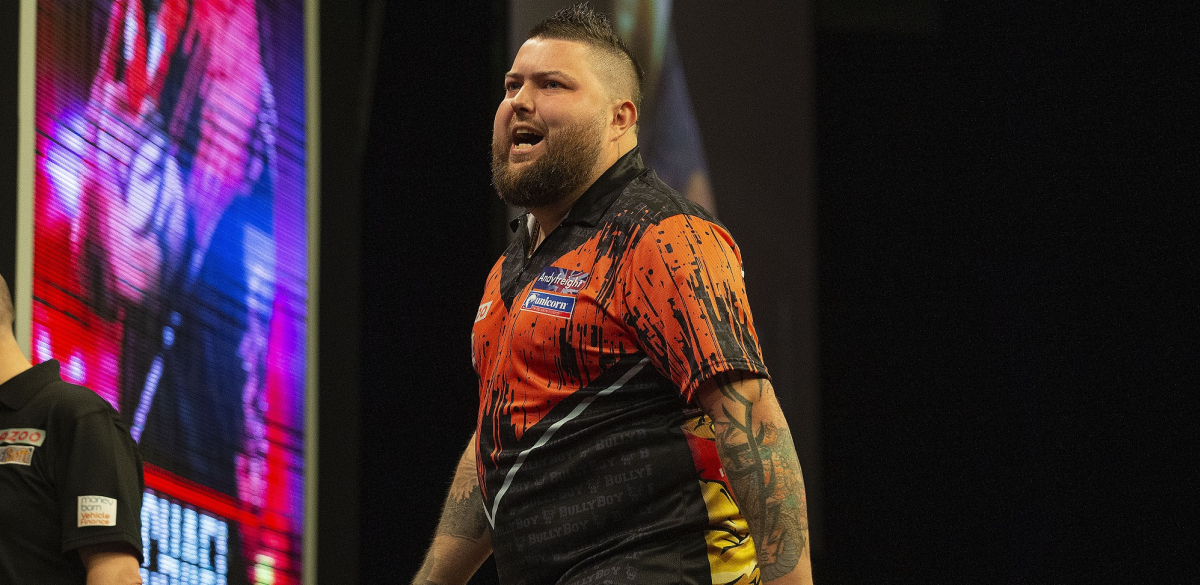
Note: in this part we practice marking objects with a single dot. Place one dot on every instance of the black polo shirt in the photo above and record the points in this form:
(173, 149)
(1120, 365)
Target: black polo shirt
(70, 476)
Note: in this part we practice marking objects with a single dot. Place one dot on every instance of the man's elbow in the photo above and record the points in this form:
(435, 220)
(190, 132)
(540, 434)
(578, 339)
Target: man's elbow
(109, 565)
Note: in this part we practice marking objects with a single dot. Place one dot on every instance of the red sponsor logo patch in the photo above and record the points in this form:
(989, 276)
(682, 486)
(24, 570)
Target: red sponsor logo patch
(33, 437)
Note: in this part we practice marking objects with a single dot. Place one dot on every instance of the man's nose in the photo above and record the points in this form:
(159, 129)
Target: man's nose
(522, 102)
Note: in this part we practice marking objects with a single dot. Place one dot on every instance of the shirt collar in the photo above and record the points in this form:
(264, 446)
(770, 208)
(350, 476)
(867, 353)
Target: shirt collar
(18, 391)
(590, 206)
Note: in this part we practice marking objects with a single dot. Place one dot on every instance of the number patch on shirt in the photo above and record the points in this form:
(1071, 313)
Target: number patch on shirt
(97, 511)
(16, 455)
(483, 311)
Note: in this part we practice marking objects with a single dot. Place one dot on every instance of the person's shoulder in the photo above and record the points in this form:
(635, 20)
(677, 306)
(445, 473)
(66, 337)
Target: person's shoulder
(71, 401)
(648, 200)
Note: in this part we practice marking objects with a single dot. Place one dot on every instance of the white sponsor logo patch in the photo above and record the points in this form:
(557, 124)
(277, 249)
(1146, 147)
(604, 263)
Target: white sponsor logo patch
(97, 511)
(33, 437)
(16, 455)
(483, 311)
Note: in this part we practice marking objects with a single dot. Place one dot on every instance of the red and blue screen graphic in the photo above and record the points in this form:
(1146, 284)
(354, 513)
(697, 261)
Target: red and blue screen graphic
(170, 262)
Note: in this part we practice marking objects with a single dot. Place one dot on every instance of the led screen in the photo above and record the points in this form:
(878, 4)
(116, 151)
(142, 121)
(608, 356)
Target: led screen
(170, 262)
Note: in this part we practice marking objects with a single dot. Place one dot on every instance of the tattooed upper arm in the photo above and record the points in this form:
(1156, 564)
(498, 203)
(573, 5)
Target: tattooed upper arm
(756, 449)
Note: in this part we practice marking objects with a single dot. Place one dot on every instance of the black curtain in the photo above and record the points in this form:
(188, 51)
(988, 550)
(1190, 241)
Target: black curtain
(1004, 315)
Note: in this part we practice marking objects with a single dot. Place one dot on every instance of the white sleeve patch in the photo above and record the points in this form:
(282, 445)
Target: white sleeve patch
(483, 311)
(33, 437)
(16, 455)
(97, 511)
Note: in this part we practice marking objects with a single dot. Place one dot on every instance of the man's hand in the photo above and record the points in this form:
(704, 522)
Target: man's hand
(462, 540)
(111, 563)
(755, 447)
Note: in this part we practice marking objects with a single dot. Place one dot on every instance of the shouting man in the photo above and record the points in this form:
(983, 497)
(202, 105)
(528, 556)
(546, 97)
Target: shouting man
(627, 431)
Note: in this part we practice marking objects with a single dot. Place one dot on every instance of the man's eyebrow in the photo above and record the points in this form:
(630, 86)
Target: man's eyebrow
(540, 75)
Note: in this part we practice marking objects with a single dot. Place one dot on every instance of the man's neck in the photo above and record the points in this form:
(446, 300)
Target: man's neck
(549, 216)
(12, 361)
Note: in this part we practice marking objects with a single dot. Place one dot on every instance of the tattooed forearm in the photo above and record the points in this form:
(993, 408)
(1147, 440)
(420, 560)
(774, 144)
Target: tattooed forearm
(462, 540)
(463, 515)
(756, 448)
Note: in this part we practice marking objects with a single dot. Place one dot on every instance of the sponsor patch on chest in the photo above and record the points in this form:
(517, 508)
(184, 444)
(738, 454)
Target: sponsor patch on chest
(97, 511)
(548, 304)
(33, 437)
(560, 280)
(16, 455)
(554, 292)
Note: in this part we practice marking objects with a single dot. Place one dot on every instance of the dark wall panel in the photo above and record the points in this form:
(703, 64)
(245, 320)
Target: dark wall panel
(10, 20)
(344, 30)
(429, 223)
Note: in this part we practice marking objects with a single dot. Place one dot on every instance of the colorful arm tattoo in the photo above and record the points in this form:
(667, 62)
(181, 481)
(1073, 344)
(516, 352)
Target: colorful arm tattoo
(756, 448)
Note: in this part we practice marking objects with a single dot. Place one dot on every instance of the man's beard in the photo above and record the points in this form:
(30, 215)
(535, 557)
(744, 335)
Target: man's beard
(566, 166)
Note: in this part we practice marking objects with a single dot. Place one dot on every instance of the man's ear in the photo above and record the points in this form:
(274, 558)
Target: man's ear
(624, 117)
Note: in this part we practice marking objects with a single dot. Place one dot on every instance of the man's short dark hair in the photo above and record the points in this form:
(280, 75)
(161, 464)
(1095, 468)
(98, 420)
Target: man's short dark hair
(581, 24)
(6, 304)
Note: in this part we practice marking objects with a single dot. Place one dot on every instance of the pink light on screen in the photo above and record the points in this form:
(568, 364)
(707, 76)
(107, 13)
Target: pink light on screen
(157, 128)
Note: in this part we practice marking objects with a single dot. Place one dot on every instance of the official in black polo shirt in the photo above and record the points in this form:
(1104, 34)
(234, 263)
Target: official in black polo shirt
(70, 477)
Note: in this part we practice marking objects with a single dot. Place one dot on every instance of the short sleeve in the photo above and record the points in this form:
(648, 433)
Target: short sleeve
(685, 299)
(99, 483)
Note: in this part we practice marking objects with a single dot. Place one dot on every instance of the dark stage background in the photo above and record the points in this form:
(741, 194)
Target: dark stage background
(1005, 324)
(1006, 314)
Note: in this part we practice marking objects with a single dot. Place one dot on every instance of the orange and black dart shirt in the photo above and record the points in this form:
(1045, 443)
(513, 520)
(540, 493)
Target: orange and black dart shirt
(595, 462)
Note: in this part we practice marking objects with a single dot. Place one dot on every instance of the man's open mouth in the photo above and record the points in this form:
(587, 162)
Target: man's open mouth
(525, 138)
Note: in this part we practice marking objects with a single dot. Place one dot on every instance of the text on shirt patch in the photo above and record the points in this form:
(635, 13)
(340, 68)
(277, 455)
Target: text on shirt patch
(16, 455)
(554, 292)
(33, 437)
(560, 280)
(97, 511)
